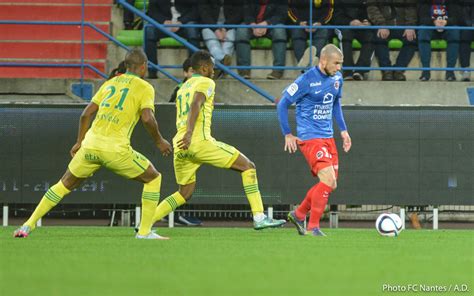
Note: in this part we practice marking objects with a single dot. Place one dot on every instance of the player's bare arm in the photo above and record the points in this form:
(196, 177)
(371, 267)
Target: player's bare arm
(291, 143)
(151, 126)
(346, 141)
(198, 100)
(84, 124)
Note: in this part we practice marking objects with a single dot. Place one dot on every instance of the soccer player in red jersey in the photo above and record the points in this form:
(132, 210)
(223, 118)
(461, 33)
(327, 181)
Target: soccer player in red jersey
(317, 95)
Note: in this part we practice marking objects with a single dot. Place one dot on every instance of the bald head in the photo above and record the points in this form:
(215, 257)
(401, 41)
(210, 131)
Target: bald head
(330, 59)
(135, 59)
(330, 50)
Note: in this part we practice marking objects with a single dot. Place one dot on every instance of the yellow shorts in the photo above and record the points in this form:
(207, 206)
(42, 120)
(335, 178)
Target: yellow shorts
(215, 153)
(128, 163)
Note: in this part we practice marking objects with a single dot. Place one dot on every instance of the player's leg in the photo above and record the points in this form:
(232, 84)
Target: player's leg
(175, 200)
(151, 180)
(320, 195)
(248, 172)
(298, 216)
(78, 170)
(53, 196)
(327, 168)
(185, 173)
(133, 165)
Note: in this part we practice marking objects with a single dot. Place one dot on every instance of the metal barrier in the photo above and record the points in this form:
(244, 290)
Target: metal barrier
(325, 27)
(226, 69)
(81, 65)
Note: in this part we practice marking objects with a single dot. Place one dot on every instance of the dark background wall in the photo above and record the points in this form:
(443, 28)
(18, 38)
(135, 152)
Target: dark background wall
(400, 155)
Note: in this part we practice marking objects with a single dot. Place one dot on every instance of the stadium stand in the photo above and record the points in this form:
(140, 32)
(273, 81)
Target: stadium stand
(53, 43)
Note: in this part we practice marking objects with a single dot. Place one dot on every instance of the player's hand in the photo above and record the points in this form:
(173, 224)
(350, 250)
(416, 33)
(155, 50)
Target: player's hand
(74, 149)
(346, 141)
(409, 34)
(383, 33)
(165, 147)
(185, 142)
(291, 143)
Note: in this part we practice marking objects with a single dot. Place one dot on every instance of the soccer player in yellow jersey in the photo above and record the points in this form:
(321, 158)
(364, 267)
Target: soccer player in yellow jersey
(119, 104)
(194, 145)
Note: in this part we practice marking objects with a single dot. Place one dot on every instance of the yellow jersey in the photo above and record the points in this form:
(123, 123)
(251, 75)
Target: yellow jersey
(120, 100)
(184, 98)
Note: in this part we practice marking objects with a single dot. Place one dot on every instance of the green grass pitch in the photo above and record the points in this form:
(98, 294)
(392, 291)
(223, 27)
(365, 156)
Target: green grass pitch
(232, 261)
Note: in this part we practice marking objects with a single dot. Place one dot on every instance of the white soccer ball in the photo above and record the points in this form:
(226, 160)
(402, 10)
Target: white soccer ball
(388, 224)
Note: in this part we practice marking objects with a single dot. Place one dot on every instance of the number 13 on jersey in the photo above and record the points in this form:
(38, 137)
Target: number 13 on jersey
(183, 111)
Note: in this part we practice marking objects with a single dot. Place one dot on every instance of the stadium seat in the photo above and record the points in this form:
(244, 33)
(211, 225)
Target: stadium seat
(355, 43)
(439, 44)
(131, 37)
(140, 3)
(135, 38)
(261, 43)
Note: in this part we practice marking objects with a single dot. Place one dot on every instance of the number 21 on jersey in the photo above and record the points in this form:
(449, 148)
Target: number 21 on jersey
(119, 105)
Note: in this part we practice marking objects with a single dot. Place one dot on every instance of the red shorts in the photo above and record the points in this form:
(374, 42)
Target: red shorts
(320, 154)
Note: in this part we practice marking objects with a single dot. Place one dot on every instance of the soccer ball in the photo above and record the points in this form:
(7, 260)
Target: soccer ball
(388, 224)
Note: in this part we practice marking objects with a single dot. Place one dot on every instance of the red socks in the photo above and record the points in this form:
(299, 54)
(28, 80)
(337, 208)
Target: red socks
(315, 200)
(305, 206)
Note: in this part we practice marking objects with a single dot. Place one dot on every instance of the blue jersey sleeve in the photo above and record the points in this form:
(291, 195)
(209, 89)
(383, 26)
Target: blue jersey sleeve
(294, 92)
(337, 111)
(282, 110)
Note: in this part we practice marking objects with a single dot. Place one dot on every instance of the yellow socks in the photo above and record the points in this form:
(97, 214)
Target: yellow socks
(168, 205)
(250, 182)
(150, 198)
(52, 197)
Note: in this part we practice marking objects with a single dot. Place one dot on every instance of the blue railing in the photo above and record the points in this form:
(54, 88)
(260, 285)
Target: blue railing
(227, 69)
(85, 24)
(339, 27)
(193, 48)
(82, 65)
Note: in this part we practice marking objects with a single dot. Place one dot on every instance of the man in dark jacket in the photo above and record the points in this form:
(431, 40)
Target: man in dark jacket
(220, 41)
(354, 13)
(170, 12)
(298, 12)
(440, 13)
(262, 12)
(467, 36)
(393, 13)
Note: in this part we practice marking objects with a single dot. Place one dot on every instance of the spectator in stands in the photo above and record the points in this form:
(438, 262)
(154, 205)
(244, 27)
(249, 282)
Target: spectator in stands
(467, 36)
(128, 17)
(440, 13)
(220, 41)
(393, 13)
(298, 12)
(354, 13)
(187, 72)
(170, 12)
(262, 12)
